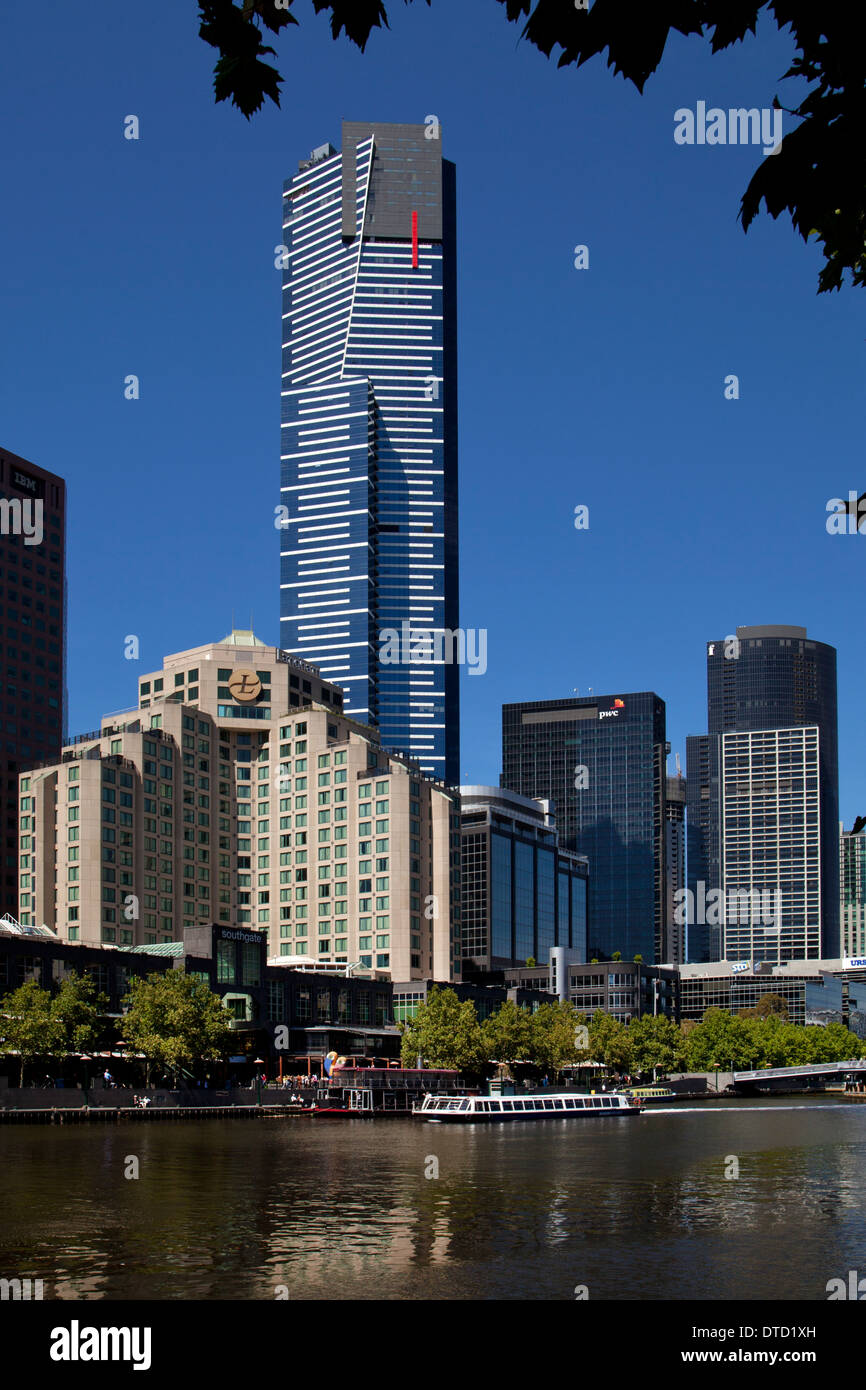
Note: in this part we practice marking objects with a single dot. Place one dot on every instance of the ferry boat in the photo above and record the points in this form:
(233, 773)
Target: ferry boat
(650, 1093)
(563, 1105)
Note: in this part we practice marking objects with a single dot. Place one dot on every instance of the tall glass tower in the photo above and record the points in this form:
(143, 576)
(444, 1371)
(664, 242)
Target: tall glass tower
(601, 760)
(763, 795)
(368, 582)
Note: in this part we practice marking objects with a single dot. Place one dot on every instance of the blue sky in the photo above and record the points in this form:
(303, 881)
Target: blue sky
(603, 387)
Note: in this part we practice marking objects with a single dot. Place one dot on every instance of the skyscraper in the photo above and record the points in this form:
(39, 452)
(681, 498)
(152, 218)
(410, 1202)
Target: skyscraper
(852, 877)
(369, 431)
(674, 938)
(601, 760)
(521, 895)
(763, 797)
(32, 648)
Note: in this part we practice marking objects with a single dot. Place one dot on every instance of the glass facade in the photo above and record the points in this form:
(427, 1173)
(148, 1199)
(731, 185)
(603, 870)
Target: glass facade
(762, 679)
(852, 871)
(601, 760)
(520, 895)
(501, 909)
(369, 433)
(33, 649)
(771, 860)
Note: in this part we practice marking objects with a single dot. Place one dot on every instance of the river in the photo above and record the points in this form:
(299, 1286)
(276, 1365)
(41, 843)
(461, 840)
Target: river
(316, 1209)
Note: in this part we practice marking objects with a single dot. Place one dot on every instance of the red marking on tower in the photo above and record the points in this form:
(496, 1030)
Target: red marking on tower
(414, 240)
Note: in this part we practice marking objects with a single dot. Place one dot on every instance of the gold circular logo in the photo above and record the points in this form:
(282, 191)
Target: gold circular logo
(245, 685)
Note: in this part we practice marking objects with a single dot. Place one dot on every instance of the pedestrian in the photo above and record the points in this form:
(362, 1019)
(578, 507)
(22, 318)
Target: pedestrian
(106, 1076)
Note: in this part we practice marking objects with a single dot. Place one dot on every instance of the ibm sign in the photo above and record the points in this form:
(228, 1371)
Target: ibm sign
(26, 483)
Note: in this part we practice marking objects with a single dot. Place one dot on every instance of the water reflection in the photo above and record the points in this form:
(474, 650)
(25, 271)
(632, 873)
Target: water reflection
(634, 1209)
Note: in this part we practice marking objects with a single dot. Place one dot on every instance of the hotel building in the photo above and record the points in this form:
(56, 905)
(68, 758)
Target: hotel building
(368, 526)
(239, 793)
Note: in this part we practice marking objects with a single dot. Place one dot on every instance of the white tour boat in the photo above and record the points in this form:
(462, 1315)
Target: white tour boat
(561, 1105)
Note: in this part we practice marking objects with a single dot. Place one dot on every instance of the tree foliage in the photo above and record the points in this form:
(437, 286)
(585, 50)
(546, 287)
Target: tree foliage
(445, 1032)
(78, 1010)
(554, 1036)
(34, 1023)
(610, 1042)
(816, 174)
(27, 1026)
(507, 1034)
(724, 1040)
(767, 1004)
(175, 1019)
(656, 1042)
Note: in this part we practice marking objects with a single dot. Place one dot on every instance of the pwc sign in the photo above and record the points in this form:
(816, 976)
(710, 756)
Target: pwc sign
(614, 712)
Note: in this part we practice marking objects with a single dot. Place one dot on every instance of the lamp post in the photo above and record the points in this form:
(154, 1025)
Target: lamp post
(715, 1067)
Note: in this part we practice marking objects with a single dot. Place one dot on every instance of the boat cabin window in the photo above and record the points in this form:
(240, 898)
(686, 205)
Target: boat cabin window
(496, 1105)
(559, 1105)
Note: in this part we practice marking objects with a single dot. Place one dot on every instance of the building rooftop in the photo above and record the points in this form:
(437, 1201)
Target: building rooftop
(160, 948)
(11, 927)
(242, 637)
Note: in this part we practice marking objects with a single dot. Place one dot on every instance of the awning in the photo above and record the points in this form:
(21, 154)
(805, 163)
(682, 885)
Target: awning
(383, 1032)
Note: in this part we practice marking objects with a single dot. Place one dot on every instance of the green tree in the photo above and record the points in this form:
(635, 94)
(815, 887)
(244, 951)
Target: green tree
(811, 176)
(769, 1040)
(175, 1020)
(554, 1036)
(609, 1042)
(720, 1040)
(79, 1012)
(507, 1034)
(768, 1004)
(656, 1041)
(27, 1025)
(445, 1032)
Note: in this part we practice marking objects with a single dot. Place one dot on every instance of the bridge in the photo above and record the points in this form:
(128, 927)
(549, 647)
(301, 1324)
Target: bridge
(856, 1066)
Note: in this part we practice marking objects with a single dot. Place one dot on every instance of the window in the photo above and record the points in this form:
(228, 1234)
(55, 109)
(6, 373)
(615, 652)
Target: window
(225, 962)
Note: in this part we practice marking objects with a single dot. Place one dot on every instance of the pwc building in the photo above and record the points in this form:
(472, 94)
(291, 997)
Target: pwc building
(368, 515)
(601, 760)
(763, 801)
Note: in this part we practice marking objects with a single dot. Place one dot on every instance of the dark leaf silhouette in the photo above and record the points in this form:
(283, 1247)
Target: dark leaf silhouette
(816, 174)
